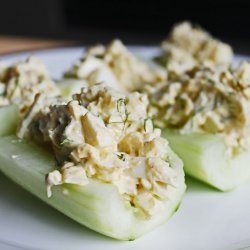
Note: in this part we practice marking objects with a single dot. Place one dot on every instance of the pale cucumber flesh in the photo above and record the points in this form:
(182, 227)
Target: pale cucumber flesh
(97, 206)
(204, 159)
(8, 119)
(69, 86)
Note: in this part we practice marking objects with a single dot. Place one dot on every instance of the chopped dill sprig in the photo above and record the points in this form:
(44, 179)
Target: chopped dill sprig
(66, 142)
(121, 157)
(122, 103)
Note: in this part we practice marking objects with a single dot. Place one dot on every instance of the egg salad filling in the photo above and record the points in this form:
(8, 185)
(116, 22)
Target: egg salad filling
(188, 46)
(109, 136)
(117, 66)
(207, 99)
(21, 81)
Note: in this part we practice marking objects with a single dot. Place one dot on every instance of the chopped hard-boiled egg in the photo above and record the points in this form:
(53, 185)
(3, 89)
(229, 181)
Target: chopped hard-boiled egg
(206, 99)
(115, 65)
(108, 136)
(21, 81)
(188, 46)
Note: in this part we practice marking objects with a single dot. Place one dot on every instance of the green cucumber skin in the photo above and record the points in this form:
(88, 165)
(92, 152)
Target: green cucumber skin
(8, 119)
(97, 206)
(204, 159)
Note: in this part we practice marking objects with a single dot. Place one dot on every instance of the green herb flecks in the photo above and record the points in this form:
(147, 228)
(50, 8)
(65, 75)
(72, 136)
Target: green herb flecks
(66, 142)
(122, 109)
(121, 157)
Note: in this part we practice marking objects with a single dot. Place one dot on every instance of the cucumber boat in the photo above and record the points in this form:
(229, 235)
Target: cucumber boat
(110, 171)
(204, 157)
(98, 205)
(205, 115)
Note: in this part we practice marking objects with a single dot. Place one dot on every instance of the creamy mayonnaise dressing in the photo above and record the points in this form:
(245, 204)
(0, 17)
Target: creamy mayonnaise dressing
(206, 99)
(109, 136)
(21, 81)
(188, 46)
(115, 65)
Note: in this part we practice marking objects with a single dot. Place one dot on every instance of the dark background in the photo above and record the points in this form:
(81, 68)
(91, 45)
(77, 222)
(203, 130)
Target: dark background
(135, 22)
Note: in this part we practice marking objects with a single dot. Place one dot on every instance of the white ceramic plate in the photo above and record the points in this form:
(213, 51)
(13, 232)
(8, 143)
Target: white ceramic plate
(207, 219)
